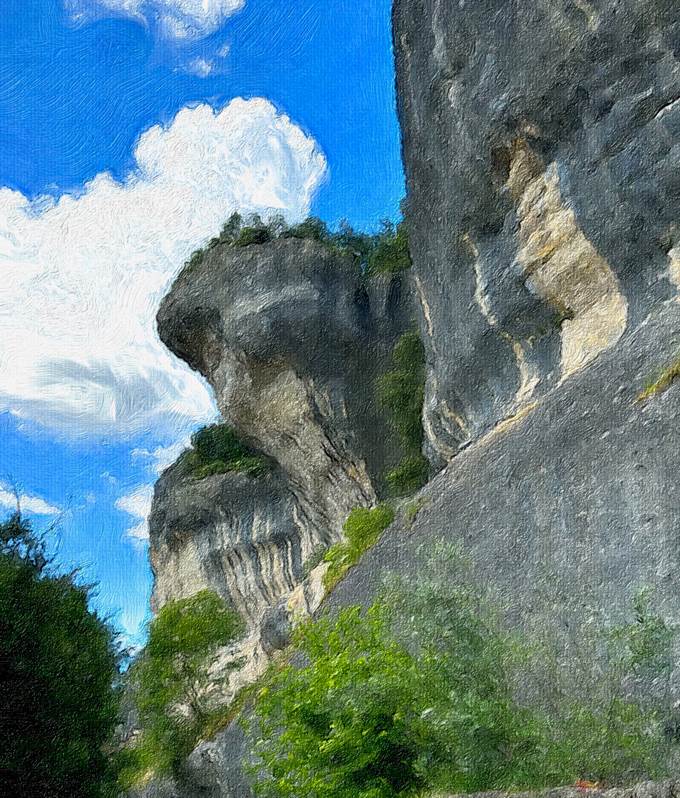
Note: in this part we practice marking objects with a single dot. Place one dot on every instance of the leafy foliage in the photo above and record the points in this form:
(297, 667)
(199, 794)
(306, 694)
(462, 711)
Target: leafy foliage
(369, 718)
(255, 232)
(384, 252)
(662, 382)
(217, 450)
(171, 677)
(409, 476)
(401, 391)
(418, 694)
(390, 254)
(604, 734)
(58, 703)
(362, 531)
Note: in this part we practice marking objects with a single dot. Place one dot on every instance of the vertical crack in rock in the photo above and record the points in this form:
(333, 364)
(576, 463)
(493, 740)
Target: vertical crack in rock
(529, 377)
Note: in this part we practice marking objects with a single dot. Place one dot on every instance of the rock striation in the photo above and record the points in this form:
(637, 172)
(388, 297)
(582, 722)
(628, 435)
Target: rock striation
(540, 144)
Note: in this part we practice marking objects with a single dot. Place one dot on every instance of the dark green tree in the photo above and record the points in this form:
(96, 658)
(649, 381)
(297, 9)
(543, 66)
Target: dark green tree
(58, 702)
(312, 228)
(254, 232)
(232, 228)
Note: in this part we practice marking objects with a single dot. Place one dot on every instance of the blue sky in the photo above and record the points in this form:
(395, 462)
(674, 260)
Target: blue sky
(90, 407)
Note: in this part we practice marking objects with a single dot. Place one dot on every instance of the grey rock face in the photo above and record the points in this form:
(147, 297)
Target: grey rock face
(292, 339)
(233, 533)
(542, 158)
(648, 789)
(567, 511)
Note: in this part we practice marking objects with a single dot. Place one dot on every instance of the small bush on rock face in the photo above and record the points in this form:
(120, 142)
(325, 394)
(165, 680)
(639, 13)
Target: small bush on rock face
(170, 680)
(409, 476)
(362, 531)
(217, 450)
(253, 235)
(401, 392)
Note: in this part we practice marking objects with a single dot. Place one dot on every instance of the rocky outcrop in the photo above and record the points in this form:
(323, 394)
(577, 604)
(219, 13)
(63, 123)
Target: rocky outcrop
(649, 789)
(292, 338)
(540, 145)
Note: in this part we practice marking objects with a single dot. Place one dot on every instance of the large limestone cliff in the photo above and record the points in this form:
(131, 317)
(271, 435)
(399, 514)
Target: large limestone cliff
(292, 339)
(540, 142)
(540, 146)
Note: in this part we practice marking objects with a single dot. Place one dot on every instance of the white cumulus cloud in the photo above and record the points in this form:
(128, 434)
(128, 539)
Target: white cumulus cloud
(29, 504)
(81, 277)
(182, 19)
(138, 505)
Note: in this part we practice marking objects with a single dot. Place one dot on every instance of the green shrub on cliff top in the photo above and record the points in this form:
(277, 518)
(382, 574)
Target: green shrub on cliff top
(380, 253)
(217, 450)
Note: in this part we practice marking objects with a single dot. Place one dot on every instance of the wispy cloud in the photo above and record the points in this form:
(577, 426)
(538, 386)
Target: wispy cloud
(138, 505)
(180, 19)
(201, 67)
(84, 275)
(27, 503)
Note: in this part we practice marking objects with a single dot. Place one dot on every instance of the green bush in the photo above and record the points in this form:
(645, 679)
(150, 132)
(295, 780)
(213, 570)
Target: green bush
(409, 476)
(217, 450)
(373, 716)
(401, 392)
(419, 694)
(312, 228)
(384, 252)
(58, 671)
(362, 531)
(171, 677)
(390, 254)
(253, 235)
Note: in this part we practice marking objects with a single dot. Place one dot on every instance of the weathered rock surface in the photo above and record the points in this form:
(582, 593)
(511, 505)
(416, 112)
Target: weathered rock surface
(292, 339)
(568, 510)
(543, 166)
(648, 789)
